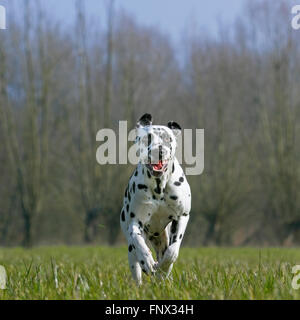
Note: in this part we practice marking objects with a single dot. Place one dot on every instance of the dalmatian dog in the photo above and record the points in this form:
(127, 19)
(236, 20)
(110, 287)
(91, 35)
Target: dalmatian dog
(157, 201)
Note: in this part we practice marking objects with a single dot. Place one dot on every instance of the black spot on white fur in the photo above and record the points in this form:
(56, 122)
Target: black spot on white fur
(158, 188)
(174, 226)
(142, 187)
(123, 215)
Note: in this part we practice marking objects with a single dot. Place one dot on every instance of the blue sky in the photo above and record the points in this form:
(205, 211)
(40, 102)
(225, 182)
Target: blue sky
(172, 16)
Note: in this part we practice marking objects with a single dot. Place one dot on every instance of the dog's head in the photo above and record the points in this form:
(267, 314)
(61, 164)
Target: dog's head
(156, 144)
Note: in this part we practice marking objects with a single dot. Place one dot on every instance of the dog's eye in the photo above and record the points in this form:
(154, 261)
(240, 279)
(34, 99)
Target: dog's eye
(147, 139)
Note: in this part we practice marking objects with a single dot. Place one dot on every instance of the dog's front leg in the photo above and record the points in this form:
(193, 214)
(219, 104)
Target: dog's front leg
(176, 236)
(140, 249)
(134, 265)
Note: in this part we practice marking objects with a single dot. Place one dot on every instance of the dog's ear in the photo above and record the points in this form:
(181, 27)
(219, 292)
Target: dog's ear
(142, 126)
(175, 127)
(145, 121)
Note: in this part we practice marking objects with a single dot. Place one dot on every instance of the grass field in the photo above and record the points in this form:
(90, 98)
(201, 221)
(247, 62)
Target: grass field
(102, 273)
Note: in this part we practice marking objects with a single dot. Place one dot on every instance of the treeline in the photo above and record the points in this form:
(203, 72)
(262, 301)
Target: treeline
(59, 85)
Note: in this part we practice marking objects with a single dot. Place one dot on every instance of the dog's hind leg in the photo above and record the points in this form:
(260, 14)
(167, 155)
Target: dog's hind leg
(160, 244)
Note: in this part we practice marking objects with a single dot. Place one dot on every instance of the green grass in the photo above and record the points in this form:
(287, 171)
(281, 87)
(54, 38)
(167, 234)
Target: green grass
(103, 273)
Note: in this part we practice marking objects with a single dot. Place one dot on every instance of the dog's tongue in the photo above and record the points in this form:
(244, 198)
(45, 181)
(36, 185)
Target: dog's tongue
(158, 166)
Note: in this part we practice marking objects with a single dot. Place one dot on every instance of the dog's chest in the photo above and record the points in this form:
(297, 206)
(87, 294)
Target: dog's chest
(151, 201)
(159, 218)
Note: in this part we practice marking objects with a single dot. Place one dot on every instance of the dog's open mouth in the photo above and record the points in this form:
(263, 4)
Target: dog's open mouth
(157, 169)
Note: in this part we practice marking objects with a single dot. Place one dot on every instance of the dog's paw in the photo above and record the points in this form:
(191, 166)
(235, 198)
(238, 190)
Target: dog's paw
(170, 256)
(147, 262)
